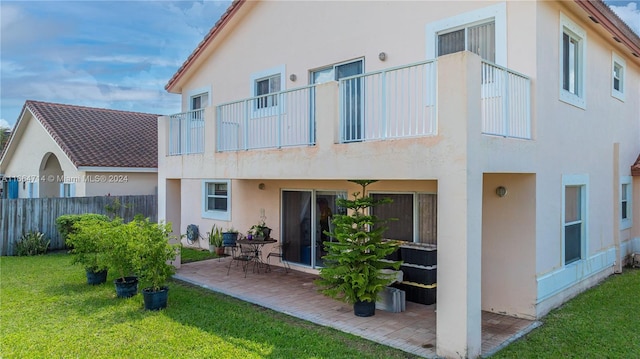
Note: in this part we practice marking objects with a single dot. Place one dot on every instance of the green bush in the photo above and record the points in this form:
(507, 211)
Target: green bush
(32, 244)
(65, 223)
(154, 252)
(86, 239)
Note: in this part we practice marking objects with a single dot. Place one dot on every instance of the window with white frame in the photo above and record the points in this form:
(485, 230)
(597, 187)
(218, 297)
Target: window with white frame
(67, 190)
(482, 31)
(198, 101)
(574, 218)
(216, 199)
(415, 216)
(264, 85)
(573, 47)
(618, 66)
(626, 205)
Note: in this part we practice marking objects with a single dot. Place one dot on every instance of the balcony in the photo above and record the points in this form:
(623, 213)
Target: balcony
(394, 103)
(186, 133)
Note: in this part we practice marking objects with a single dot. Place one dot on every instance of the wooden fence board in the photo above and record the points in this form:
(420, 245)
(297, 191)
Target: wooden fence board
(19, 216)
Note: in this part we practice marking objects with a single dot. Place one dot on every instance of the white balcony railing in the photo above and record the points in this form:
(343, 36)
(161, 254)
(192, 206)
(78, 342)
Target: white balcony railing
(276, 120)
(506, 102)
(186, 133)
(392, 103)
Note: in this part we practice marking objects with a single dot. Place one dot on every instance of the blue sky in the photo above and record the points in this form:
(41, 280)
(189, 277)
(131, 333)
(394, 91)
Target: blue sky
(112, 54)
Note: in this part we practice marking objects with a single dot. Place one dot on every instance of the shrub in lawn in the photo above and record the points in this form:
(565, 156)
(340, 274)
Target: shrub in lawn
(86, 239)
(65, 223)
(31, 244)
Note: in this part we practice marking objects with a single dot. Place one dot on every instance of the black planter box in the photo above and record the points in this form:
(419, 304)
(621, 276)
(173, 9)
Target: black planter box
(418, 293)
(419, 274)
(421, 255)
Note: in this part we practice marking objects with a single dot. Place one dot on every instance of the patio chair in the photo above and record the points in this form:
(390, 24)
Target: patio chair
(241, 254)
(278, 252)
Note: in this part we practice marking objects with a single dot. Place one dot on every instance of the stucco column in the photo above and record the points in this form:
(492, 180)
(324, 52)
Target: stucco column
(163, 123)
(459, 209)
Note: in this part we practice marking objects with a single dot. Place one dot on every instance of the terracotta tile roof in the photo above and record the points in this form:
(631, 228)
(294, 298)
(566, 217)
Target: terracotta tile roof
(635, 169)
(96, 137)
(619, 30)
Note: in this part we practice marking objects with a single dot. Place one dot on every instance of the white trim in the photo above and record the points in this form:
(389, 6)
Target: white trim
(117, 169)
(626, 223)
(578, 33)
(497, 13)
(557, 281)
(583, 182)
(615, 59)
(219, 215)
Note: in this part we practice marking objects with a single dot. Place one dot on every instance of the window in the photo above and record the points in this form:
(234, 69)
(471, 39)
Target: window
(67, 189)
(415, 216)
(574, 218)
(626, 207)
(265, 87)
(617, 77)
(572, 62)
(263, 84)
(216, 201)
(198, 101)
(479, 39)
(482, 31)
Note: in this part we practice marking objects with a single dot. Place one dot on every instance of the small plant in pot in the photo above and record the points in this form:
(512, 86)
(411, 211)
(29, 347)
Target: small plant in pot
(356, 258)
(215, 240)
(154, 261)
(85, 238)
(121, 249)
(259, 231)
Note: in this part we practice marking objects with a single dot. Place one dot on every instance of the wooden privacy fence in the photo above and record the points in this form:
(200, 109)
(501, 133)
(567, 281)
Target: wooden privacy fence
(19, 216)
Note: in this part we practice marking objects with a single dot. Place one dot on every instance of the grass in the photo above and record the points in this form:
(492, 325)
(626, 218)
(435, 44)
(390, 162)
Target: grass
(195, 254)
(48, 311)
(600, 323)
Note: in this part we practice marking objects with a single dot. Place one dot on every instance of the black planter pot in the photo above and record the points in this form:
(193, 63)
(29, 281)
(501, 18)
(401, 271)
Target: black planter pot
(155, 300)
(364, 309)
(127, 288)
(95, 278)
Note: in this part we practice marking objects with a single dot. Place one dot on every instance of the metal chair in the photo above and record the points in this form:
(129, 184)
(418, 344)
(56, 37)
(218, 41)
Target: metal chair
(278, 252)
(240, 253)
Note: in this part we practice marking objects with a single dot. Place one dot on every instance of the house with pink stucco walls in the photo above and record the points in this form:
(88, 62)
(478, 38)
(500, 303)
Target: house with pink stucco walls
(506, 133)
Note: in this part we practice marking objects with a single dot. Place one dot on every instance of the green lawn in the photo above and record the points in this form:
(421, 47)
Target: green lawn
(193, 255)
(47, 311)
(603, 322)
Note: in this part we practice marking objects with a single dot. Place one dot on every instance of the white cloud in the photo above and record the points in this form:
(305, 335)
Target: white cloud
(5, 124)
(630, 14)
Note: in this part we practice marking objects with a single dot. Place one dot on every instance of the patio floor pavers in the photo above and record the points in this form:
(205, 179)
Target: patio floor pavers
(295, 294)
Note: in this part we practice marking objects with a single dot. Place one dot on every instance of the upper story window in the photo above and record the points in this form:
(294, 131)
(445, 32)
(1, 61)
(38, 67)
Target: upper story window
(263, 85)
(573, 47)
(626, 206)
(482, 31)
(266, 86)
(479, 39)
(618, 66)
(198, 100)
(216, 199)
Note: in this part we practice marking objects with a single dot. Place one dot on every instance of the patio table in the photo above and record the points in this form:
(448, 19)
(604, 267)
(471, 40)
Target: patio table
(256, 245)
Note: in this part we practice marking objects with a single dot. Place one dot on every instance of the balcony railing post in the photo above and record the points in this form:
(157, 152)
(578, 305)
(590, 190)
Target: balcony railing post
(245, 133)
(505, 103)
(279, 123)
(383, 102)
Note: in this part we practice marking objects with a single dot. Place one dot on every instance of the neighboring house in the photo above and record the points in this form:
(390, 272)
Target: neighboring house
(59, 150)
(514, 157)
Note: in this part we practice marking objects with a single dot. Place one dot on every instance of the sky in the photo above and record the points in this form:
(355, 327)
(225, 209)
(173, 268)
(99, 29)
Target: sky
(113, 54)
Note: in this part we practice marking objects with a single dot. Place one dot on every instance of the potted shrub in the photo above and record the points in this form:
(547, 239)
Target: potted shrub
(215, 240)
(229, 237)
(85, 237)
(66, 223)
(121, 249)
(355, 257)
(153, 263)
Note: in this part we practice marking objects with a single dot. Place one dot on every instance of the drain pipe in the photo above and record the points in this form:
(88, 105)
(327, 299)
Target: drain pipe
(617, 267)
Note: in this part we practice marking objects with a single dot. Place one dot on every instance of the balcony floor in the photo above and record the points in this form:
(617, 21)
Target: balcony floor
(294, 293)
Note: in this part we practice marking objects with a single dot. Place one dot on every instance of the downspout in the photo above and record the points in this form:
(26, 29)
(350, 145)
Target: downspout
(617, 266)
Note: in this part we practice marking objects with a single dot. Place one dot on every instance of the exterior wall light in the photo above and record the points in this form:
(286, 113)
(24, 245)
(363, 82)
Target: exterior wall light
(382, 56)
(293, 77)
(501, 191)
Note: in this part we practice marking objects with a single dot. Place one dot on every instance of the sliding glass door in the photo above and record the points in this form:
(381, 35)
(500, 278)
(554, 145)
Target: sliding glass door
(306, 215)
